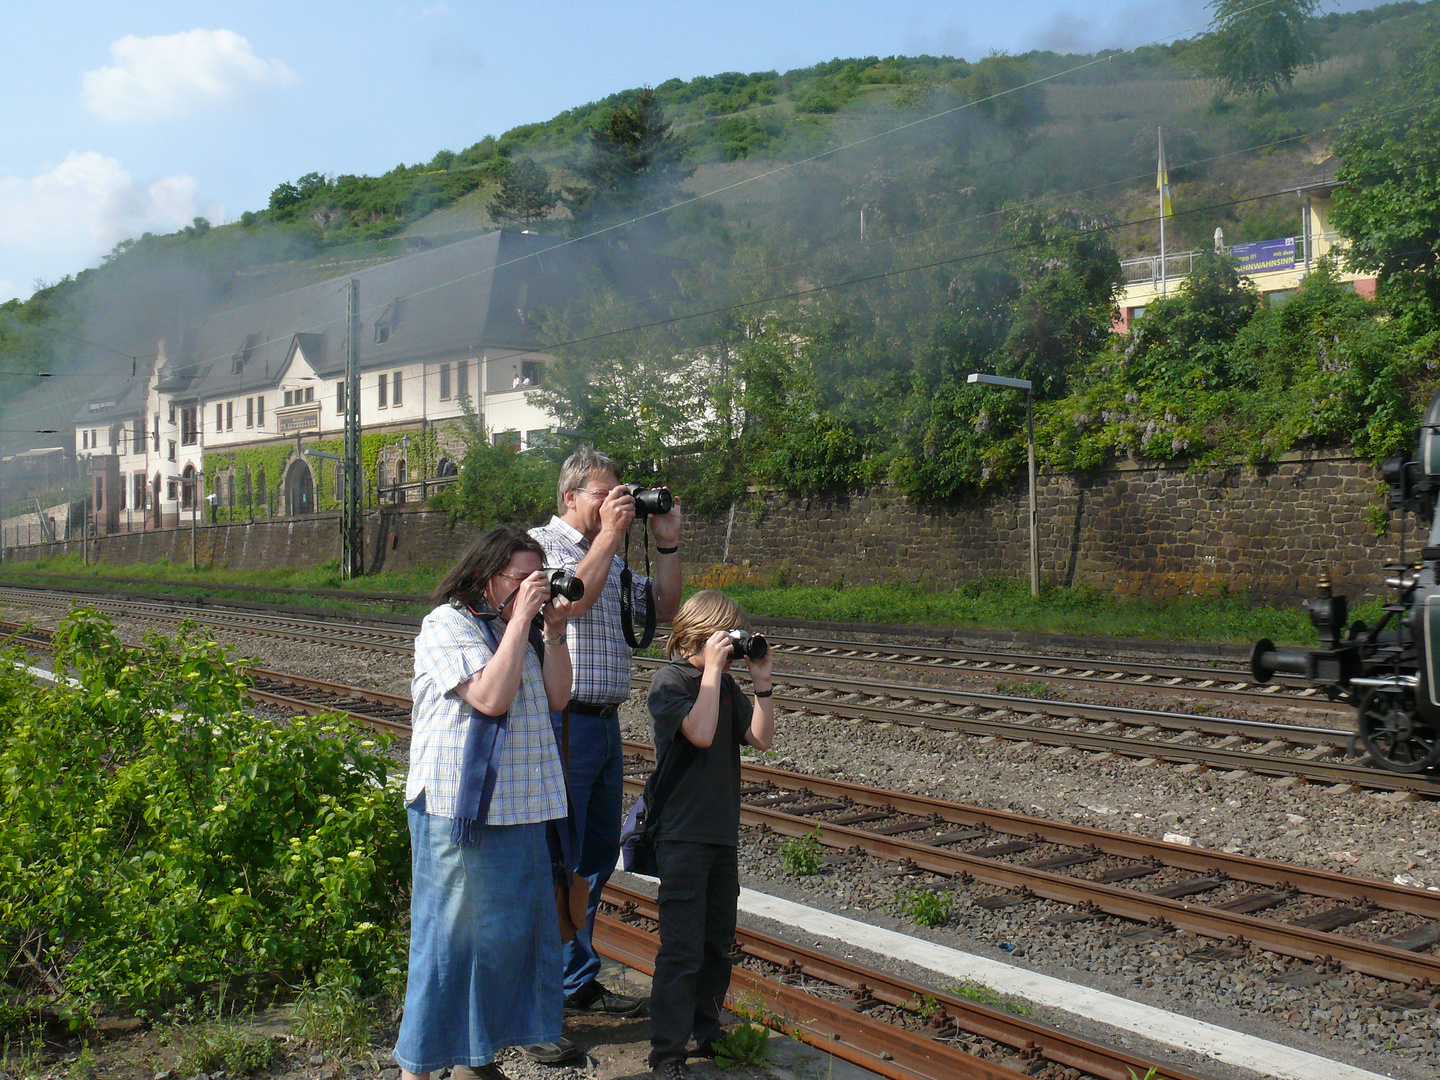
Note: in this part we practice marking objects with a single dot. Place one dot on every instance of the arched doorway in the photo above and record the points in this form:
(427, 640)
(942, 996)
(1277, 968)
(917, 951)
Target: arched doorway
(402, 477)
(446, 468)
(299, 489)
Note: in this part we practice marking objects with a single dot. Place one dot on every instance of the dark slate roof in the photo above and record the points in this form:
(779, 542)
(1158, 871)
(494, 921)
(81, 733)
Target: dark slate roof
(485, 291)
(119, 398)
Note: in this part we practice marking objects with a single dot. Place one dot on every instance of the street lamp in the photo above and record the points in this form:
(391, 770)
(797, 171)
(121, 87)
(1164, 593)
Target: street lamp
(1022, 384)
(194, 508)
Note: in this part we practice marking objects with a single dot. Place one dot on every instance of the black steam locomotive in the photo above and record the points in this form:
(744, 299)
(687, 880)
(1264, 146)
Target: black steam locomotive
(1388, 671)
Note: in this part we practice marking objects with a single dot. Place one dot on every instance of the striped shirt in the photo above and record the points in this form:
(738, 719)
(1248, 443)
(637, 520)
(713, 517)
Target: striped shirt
(598, 651)
(529, 783)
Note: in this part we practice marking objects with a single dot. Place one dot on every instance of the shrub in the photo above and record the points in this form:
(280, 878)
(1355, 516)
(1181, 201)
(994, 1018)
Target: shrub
(746, 1044)
(925, 907)
(155, 836)
(800, 855)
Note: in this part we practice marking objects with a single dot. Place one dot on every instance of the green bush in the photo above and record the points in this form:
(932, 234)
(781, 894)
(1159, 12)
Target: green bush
(747, 1044)
(155, 836)
(800, 855)
(925, 907)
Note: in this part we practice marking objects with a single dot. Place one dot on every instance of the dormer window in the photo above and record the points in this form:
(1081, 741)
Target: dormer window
(382, 334)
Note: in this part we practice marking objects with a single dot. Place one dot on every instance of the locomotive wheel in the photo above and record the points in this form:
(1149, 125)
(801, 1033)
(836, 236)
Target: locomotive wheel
(1395, 735)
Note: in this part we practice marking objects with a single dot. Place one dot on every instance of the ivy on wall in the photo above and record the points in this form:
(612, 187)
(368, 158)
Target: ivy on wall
(425, 449)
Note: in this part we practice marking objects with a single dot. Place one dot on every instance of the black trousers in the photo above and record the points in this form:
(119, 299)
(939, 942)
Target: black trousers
(699, 888)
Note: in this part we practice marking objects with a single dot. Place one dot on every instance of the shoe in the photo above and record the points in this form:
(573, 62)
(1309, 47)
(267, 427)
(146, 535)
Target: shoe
(551, 1053)
(704, 1049)
(490, 1071)
(670, 1069)
(595, 1000)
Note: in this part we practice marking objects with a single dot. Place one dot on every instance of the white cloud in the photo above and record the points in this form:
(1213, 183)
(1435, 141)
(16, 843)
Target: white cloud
(79, 210)
(174, 75)
(434, 11)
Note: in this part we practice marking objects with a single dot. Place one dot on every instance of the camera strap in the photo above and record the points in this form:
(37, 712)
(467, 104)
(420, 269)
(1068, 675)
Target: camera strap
(627, 599)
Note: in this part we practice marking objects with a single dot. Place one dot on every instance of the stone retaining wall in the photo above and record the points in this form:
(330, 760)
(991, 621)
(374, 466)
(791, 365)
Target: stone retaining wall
(1135, 530)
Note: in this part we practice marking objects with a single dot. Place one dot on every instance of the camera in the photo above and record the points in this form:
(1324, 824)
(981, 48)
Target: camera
(563, 583)
(650, 500)
(748, 646)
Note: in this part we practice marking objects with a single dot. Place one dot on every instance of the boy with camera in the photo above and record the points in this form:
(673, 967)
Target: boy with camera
(701, 718)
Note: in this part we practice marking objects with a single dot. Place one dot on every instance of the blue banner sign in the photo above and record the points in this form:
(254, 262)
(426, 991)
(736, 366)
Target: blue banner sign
(1262, 256)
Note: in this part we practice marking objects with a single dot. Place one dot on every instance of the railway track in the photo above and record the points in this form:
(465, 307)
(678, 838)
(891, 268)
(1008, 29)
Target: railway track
(1188, 680)
(888, 1025)
(1240, 901)
(1333, 920)
(1269, 748)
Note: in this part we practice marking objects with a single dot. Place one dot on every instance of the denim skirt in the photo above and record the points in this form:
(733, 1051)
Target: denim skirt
(485, 961)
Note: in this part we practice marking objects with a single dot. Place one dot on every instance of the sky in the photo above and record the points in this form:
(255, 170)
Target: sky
(127, 117)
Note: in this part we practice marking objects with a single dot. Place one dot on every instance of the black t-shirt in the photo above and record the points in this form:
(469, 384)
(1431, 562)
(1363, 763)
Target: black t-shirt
(704, 801)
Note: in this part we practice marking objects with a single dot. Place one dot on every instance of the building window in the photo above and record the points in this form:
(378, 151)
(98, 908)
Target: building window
(187, 488)
(157, 432)
(120, 495)
(382, 334)
(380, 478)
(382, 392)
(536, 437)
(171, 455)
(260, 486)
(170, 491)
(219, 418)
(444, 382)
(289, 398)
(84, 440)
(395, 389)
(229, 416)
(531, 372)
(309, 394)
(340, 398)
(99, 494)
(462, 377)
(189, 425)
(249, 412)
(138, 481)
(260, 411)
(138, 436)
(172, 412)
(509, 439)
(402, 477)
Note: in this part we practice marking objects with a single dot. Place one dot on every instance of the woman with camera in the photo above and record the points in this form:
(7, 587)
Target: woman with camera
(700, 719)
(485, 791)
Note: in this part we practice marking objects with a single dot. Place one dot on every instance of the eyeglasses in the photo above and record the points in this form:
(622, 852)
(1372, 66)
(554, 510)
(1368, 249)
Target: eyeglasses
(511, 577)
(598, 493)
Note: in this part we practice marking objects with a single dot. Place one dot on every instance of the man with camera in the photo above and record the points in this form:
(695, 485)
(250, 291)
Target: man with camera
(594, 513)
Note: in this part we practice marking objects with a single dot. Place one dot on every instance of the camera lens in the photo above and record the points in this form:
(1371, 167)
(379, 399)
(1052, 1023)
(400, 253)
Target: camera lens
(745, 645)
(563, 583)
(650, 500)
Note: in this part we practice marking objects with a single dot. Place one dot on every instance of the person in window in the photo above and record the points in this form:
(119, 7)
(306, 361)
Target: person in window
(486, 788)
(698, 713)
(515, 383)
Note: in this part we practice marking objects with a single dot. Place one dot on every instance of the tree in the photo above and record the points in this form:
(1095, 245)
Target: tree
(524, 195)
(1388, 203)
(632, 165)
(1258, 47)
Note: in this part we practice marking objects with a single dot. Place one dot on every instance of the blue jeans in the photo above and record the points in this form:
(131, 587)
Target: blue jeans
(596, 784)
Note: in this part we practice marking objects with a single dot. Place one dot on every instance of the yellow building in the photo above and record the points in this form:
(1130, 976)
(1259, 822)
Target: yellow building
(1277, 267)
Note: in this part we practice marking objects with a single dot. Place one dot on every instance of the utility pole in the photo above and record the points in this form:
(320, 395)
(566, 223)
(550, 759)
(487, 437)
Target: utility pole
(352, 524)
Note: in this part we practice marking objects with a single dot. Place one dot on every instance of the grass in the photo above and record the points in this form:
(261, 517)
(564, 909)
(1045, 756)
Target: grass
(925, 907)
(746, 1044)
(988, 996)
(1009, 606)
(996, 605)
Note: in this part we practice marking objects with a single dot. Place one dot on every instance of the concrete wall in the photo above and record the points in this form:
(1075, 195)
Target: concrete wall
(1150, 530)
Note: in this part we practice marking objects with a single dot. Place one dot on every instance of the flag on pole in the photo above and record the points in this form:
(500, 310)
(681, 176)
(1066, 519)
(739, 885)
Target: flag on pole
(1162, 181)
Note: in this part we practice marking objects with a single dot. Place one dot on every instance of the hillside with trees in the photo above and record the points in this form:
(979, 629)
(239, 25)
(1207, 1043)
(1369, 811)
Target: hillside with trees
(807, 350)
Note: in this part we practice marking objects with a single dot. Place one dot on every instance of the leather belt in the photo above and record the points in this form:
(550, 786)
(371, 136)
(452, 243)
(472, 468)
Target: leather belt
(586, 709)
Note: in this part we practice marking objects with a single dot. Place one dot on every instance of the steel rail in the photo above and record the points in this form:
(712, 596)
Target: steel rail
(890, 1049)
(1324, 883)
(1189, 680)
(1277, 736)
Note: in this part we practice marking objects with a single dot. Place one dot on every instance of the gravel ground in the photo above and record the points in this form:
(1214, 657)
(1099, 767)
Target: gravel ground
(1345, 1015)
